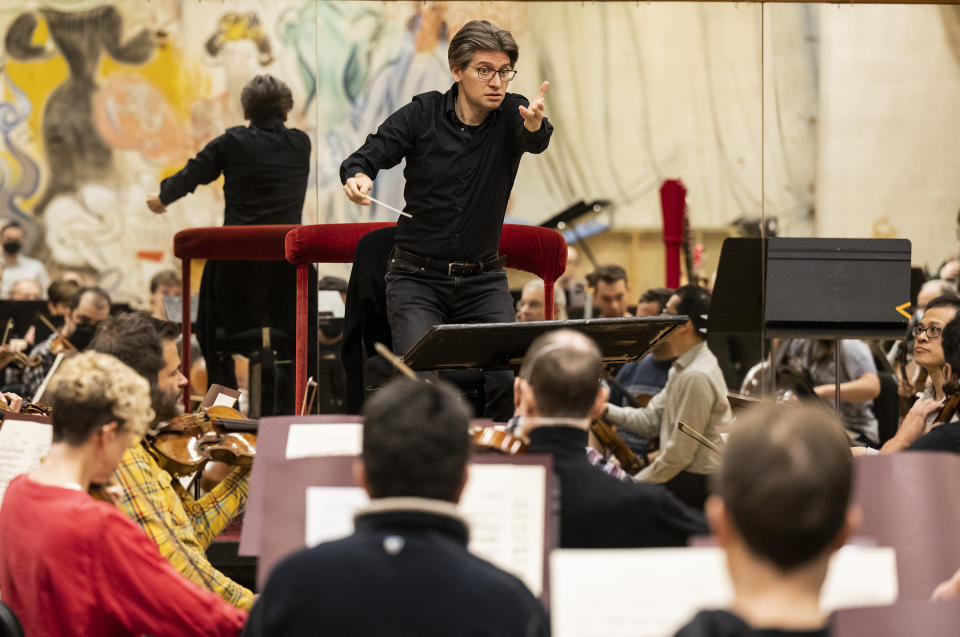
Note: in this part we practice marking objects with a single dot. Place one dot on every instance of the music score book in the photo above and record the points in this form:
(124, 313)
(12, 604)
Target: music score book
(23, 444)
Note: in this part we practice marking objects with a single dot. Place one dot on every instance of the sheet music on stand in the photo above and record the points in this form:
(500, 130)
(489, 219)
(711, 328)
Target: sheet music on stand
(686, 580)
(23, 444)
(505, 504)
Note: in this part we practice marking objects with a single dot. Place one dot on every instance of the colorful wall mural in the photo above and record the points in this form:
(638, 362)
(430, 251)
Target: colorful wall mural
(100, 100)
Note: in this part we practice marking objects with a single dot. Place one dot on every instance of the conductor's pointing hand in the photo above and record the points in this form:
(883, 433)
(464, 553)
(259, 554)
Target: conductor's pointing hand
(533, 115)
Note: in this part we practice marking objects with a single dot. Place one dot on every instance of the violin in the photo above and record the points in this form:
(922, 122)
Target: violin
(218, 433)
(608, 437)
(496, 439)
(949, 409)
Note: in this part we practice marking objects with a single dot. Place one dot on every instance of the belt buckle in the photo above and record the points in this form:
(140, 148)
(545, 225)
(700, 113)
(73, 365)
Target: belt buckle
(461, 268)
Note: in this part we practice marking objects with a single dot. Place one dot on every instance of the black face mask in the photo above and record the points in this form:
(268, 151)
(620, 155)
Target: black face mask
(12, 247)
(82, 336)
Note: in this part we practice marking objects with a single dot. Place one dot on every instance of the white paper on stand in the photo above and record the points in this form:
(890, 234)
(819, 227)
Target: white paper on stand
(312, 440)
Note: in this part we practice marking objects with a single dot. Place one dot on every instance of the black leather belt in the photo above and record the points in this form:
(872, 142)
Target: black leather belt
(450, 268)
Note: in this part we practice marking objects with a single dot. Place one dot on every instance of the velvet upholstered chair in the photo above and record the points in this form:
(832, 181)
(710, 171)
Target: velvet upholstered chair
(541, 251)
(225, 243)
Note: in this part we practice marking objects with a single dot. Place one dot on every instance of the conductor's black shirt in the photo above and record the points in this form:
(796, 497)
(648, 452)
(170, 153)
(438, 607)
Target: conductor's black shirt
(265, 168)
(458, 177)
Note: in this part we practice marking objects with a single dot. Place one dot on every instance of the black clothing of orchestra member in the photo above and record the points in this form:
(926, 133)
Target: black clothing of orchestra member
(403, 572)
(945, 437)
(265, 167)
(462, 150)
(721, 623)
(599, 511)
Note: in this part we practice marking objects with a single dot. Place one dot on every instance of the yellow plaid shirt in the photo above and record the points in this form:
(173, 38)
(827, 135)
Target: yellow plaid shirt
(182, 527)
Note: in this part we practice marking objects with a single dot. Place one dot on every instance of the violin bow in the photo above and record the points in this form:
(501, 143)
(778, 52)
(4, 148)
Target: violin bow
(308, 396)
(395, 360)
(690, 431)
(6, 332)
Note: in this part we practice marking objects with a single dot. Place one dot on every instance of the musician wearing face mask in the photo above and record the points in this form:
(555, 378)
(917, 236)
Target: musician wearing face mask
(89, 308)
(17, 266)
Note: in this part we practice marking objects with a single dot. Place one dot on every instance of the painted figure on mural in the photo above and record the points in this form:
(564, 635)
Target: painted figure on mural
(462, 151)
(75, 150)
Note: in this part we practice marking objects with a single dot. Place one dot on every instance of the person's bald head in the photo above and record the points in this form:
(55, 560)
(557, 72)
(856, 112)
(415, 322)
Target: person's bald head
(931, 290)
(562, 369)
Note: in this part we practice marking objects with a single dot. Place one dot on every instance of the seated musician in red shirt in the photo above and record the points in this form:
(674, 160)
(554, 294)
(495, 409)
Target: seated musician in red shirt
(70, 565)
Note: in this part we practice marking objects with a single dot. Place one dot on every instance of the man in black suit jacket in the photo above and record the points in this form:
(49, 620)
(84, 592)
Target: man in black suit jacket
(406, 570)
(558, 394)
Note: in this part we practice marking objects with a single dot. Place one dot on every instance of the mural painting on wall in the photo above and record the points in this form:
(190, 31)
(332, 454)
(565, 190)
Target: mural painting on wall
(103, 100)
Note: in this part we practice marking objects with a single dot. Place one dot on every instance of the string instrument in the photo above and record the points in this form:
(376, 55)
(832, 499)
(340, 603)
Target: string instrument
(8, 356)
(608, 437)
(949, 409)
(496, 439)
(218, 433)
(28, 408)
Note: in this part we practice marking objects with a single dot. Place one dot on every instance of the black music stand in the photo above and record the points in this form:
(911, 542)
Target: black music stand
(837, 288)
(503, 345)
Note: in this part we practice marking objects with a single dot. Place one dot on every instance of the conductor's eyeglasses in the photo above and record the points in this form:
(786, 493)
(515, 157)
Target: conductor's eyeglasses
(932, 332)
(486, 74)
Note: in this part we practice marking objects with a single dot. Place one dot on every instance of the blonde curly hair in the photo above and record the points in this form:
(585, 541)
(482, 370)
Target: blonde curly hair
(91, 389)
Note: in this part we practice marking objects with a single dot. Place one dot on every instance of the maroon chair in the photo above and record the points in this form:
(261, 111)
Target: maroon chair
(541, 251)
(223, 243)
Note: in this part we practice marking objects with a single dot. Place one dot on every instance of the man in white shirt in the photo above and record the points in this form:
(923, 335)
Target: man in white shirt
(16, 266)
(695, 394)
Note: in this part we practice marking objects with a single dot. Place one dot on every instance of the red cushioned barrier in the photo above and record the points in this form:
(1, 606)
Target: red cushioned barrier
(541, 251)
(222, 243)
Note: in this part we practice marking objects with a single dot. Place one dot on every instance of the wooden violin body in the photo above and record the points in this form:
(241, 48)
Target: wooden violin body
(608, 437)
(499, 440)
(186, 443)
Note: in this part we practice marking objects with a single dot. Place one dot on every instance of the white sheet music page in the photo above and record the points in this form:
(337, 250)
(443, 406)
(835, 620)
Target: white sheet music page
(504, 505)
(327, 439)
(654, 592)
(23, 443)
(330, 512)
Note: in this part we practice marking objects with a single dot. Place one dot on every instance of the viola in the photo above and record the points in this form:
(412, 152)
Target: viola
(949, 409)
(218, 433)
(608, 437)
(499, 440)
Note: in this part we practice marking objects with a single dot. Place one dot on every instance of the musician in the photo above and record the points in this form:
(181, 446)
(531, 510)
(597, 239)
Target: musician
(929, 291)
(558, 394)
(611, 291)
(781, 508)
(915, 432)
(648, 375)
(406, 569)
(859, 382)
(180, 526)
(462, 149)
(70, 565)
(89, 308)
(531, 306)
(163, 284)
(695, 394)
(15, 265)
(265, 167)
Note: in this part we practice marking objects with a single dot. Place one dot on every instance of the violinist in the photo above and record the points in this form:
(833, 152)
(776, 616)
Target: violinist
(181, 527)
(70, 565)
(557, 395)
(695, 394)
(931, 351)
(89, 308)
